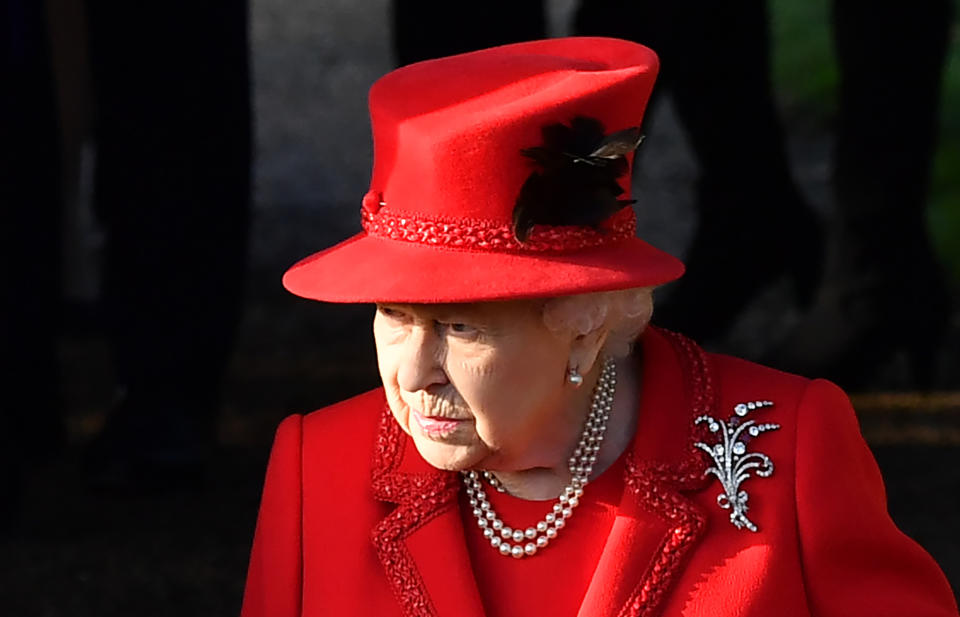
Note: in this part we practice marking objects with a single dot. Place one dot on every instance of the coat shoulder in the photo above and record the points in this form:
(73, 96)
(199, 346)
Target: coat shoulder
(740, 380)
(348, 414)
(342, 434)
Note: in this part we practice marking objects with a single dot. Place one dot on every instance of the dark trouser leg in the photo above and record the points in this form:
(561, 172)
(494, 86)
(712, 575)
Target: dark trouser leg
(30, 423)
(891, 63)
(172, 188)
(424, 29)
(883, 288)
(30, 253)
(753, 224)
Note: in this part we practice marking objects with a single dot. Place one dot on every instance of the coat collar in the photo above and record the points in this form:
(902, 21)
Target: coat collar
(656, 526)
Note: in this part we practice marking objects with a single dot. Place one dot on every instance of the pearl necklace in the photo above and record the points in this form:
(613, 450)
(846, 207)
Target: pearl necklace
(580, 465)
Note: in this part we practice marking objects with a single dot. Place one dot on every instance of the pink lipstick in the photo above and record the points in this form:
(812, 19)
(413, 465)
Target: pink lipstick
(435, 426)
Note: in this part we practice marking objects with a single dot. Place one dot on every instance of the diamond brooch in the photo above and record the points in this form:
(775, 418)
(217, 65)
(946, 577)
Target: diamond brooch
(732, 463)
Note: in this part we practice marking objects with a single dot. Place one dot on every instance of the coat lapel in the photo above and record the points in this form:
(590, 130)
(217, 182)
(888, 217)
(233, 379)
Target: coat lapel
(656, 525)
(420, 543)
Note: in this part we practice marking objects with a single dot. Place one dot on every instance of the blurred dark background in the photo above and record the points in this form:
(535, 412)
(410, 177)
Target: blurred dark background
(95, 528)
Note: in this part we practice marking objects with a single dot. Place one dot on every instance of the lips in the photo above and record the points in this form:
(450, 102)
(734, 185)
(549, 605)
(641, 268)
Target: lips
(436, 425)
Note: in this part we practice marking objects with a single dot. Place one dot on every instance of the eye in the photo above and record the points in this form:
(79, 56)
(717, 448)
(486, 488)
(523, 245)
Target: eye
(458, 328)
(389, 312)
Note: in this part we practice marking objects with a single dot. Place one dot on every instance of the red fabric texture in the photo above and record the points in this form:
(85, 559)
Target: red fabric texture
(448, 168)
(354, 522)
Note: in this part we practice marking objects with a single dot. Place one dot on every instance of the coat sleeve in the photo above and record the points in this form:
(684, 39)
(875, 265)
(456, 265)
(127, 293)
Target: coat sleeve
(855, 561)
(273, 586)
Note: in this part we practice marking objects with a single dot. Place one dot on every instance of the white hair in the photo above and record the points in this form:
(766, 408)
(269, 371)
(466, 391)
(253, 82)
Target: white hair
(626, 313)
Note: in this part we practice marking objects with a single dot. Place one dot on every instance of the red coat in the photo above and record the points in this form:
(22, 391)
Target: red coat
(354, 522)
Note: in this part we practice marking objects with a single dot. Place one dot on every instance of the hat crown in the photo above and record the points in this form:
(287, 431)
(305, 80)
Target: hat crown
(452, 155)
(448, 133)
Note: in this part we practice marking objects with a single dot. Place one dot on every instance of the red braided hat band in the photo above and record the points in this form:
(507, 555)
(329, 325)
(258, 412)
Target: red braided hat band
(493, 236)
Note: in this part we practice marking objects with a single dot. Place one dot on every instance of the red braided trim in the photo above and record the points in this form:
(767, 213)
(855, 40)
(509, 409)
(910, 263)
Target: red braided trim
(491, 236)
(657, 487)
(399, 566)
(703, 401)
(420, 498)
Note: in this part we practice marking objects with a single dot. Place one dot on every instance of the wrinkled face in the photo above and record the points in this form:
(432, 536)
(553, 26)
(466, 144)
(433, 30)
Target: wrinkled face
(477, 385)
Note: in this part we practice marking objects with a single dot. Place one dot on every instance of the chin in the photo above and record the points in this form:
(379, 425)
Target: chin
(448, 457)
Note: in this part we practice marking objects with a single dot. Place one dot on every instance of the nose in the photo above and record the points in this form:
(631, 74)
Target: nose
(421, 365)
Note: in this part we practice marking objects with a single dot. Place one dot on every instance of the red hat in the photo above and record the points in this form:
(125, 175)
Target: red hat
(457, 140)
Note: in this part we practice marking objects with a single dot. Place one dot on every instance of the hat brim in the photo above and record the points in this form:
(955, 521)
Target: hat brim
(368, 268)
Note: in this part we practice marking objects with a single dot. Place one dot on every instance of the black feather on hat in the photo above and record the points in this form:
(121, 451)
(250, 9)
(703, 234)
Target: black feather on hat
(576, 180)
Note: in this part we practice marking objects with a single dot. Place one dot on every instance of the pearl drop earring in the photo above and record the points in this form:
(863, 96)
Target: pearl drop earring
(575, 378)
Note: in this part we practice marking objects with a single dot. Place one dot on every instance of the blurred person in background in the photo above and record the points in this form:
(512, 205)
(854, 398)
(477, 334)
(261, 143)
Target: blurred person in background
(172, 130)
(884, 289)
(172, 187)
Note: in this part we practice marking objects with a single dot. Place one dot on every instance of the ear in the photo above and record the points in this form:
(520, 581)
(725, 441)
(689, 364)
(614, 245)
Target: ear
(585, 349)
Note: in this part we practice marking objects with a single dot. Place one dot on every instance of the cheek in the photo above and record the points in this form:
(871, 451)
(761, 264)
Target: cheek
(476, 374)
(388, 365)
(479, 370)
(400, 411)
(388, 345)
(475, 384)
(507, 394)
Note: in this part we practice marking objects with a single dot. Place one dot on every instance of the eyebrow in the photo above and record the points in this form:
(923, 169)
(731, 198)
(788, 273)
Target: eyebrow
(436, 312)
(459, 313)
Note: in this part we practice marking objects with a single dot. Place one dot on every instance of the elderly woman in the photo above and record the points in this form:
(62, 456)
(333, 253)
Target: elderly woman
(537, 448)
